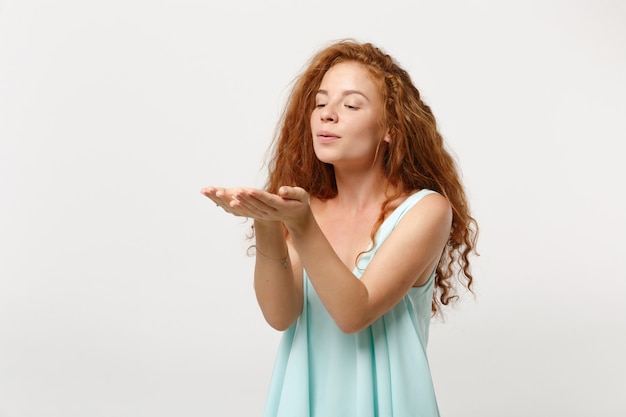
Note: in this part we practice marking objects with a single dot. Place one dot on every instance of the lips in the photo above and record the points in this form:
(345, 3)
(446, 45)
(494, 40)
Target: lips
(327, 137)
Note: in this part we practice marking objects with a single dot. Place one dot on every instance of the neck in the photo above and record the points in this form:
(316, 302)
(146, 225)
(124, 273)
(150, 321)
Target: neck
(359, 190)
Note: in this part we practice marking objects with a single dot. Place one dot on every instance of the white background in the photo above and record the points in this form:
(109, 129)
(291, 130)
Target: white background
(124, 292)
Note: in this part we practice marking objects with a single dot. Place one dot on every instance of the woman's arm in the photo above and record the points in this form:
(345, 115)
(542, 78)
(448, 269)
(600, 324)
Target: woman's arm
(277, 284)
(410, 252)
(277, 276)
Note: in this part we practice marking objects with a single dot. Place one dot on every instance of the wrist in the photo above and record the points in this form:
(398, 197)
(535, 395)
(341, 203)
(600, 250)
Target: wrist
(266, 225)
(300, 228)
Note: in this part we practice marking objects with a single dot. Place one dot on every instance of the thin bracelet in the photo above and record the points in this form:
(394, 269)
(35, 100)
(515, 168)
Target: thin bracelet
(284, 261)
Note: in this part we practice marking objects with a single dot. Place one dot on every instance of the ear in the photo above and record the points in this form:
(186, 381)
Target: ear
(387, 137)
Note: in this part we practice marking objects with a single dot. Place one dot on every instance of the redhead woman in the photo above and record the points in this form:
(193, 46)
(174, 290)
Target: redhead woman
(360, 231)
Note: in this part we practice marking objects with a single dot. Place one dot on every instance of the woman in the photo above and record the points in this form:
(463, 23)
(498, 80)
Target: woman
(362, 225)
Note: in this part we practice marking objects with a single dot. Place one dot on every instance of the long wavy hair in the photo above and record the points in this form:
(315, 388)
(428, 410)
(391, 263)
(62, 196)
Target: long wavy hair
(415, 157)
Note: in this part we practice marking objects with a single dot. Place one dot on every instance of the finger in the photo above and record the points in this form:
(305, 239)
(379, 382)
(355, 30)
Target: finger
(293, 193)
(222, 193)
(265, 199)
(220, 196)
(258, 200)
(233, 207)
(243, 207)
(256, 205)
(209, 192)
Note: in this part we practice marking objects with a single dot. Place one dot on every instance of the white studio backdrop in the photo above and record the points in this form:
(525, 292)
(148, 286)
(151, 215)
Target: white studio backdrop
(124, 292)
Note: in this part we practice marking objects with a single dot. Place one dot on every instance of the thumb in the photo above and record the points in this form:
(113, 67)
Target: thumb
(293, 193)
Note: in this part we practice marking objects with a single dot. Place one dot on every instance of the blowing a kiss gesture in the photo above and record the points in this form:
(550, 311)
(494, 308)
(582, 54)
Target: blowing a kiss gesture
(352, 262)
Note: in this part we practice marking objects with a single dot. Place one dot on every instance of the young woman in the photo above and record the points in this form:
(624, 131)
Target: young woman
(362, 226)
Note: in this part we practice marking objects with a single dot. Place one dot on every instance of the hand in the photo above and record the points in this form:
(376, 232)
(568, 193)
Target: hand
(222, 197)
(290, 205)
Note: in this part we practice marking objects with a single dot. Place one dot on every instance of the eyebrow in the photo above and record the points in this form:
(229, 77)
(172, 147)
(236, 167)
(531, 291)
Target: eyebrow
(345, 93)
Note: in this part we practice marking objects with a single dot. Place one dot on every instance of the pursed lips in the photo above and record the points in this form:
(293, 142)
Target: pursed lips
(325, 136)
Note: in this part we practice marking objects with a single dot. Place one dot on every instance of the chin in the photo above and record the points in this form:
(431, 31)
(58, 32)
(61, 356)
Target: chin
(326, 157)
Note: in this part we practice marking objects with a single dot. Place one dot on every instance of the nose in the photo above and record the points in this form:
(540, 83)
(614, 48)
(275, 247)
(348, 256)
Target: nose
(328, 114)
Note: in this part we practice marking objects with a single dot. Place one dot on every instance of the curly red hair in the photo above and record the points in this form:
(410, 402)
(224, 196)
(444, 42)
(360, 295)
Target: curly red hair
(415, 157)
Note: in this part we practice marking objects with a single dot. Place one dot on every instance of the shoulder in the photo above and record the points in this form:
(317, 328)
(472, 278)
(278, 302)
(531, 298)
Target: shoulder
(436, 203)
(414, 240)
(431, 211)
(427, 201)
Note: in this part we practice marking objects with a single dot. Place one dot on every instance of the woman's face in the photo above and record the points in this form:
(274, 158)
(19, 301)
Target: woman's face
(346, 120)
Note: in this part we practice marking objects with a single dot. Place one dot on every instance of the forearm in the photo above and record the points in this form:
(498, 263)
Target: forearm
(345, 297)
(274, 283)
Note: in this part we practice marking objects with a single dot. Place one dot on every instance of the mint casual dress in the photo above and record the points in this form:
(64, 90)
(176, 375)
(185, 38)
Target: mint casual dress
(381, 371)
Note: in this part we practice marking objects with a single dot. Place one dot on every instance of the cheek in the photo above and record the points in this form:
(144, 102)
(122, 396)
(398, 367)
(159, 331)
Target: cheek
(372, 131)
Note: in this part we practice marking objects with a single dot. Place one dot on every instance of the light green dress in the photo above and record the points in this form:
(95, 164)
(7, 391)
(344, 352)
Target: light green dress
(381, 371)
